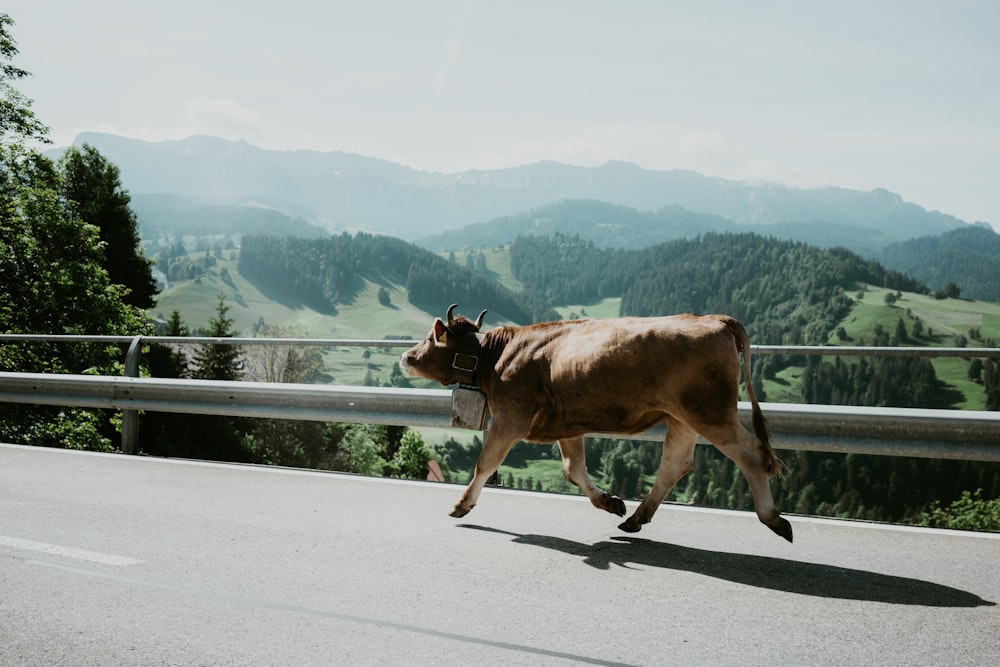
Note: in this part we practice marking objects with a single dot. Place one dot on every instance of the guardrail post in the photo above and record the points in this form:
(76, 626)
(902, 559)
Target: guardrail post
(130, 418)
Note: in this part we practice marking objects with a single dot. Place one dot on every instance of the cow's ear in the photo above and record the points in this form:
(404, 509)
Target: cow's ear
(440, 331)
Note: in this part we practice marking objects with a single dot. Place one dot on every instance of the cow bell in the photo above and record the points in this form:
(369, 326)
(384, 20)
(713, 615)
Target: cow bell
(468, 409)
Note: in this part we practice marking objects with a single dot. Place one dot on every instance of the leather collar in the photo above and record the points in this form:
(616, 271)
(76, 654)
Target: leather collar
(466, 362)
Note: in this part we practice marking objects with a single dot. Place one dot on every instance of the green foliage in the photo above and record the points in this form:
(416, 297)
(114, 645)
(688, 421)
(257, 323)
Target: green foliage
(91, 188)
(967, 256)
(970, 512)
(68, 428)
(219, 361)
(410, 461)
(874, 382)
(991, 383)
(51, 264)
(622, 474)
(358, 452)
(18, 122)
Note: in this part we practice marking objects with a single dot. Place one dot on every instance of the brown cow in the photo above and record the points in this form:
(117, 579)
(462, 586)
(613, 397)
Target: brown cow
(556, 381)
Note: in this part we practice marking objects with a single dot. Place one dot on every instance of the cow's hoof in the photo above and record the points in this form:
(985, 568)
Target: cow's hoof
(783, 528)
(458, 512)
(613, 504)
(630, 526)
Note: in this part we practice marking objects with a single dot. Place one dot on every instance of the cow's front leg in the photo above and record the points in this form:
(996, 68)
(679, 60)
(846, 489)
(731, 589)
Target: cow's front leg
(574, 461)
(496, 446)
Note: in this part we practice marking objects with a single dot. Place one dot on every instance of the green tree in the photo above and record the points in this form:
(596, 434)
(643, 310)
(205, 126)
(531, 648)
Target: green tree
(411, 460)
(176, 326)
(217, 361)
(359, 453)
(216, 437)
(970, 512)
(92, 188)
(18, 122)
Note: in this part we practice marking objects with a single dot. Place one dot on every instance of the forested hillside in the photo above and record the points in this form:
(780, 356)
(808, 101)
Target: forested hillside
(326, 272)
(968, 257)
(784, 292)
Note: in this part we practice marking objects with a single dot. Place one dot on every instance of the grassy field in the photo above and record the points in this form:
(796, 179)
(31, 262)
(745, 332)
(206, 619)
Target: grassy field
(497, 265)
(601, 310)
(946, 323)
(365, 317)
(943, 319)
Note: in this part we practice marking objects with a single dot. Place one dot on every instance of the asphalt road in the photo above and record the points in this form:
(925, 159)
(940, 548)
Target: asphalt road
(117, 560)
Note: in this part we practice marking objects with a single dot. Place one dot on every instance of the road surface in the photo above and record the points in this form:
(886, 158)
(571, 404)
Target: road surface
(119, 560)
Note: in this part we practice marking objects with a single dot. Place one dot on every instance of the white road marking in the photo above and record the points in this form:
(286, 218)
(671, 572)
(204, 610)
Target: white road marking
(67, 552)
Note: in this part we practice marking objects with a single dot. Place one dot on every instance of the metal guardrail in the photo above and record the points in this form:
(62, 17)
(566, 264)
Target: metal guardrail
(941, 434)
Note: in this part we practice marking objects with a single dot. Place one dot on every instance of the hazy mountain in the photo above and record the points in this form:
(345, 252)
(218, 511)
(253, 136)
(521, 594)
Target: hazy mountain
(346, 191)
(164, 215)
(607, 225)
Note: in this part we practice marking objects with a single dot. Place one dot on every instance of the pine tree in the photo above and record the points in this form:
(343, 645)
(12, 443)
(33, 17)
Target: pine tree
(219, 361)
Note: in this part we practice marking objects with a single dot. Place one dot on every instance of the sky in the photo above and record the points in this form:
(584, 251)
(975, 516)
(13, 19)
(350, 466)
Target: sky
(895, 94)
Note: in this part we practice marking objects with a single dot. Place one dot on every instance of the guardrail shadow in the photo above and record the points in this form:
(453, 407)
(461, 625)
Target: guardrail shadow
(779, 574)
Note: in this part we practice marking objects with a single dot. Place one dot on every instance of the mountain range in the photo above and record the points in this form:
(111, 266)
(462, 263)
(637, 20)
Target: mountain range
(348, 192)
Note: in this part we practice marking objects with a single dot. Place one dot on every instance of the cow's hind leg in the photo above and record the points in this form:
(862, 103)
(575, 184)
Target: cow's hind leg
(574, 462)
(677, 460)
(496, 446)
(748, 453)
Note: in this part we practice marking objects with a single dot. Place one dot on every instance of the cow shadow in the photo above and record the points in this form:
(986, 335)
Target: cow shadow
(778, 574)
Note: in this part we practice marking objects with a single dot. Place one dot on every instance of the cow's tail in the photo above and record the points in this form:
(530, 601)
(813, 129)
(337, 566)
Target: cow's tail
(772, 463)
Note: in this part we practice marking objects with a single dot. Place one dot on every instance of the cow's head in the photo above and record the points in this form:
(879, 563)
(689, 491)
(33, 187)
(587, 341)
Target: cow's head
(448, 354)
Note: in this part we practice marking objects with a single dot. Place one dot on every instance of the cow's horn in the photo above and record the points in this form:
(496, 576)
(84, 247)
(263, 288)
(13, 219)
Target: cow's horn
(479, 320)
(451, 309)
